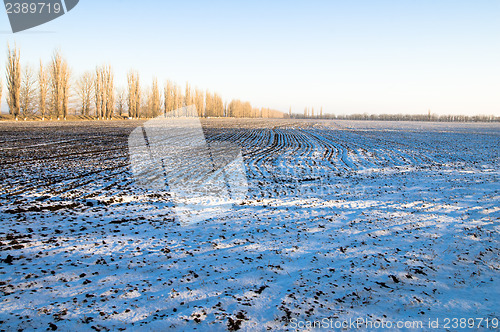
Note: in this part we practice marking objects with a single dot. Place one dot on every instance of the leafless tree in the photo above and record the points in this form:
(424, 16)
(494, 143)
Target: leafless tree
(99, 93)
(84, 89)
(28, 93)
(43, 81)
(109, 92)
(199, 102)
(155, 102)
(59, 85)
(13, 81)
(65, 86)
(121, 100)
(134, 94)
(177, 98)
(138, 97)
(168, 97)
(209, 104)
(188, 97)
(180, 97)
(218, 105)
(104, 92)
(54, 94)
(255, 112)
(239, 109)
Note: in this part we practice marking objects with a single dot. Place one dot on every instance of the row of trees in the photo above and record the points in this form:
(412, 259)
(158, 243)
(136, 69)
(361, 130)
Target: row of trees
(51, 92)
(309, 113)
(402, 117)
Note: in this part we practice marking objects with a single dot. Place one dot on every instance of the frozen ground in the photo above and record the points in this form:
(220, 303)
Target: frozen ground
(344, 220)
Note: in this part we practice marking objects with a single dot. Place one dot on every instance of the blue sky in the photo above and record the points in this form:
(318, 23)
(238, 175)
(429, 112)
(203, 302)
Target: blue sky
(345, 56)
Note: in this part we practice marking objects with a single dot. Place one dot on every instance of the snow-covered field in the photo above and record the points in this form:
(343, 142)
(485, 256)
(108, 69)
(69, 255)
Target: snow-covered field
(388, 222)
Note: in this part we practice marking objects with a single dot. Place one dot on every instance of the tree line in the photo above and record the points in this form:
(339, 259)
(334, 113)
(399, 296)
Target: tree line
(49, 90)
(52, 90)
(309, 114)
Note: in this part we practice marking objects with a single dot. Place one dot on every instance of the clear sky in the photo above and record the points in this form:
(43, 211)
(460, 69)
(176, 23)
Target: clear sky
(400, 56)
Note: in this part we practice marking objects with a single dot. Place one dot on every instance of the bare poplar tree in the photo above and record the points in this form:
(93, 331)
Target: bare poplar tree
(199, 102)
(247, 109)
(155, 99)
(239, 109)
(104, 92)
(218, 105)
(13, 81)
(146, 103)
(169, 98)
(188, 99)
(28, 93)
(255, 112)
(59, 84)
(121, 100)
(98, 93)
(43, 81)
(84, 89)
(209, 105)
(65, 88)
(109, 86)
(134, 94)
(137, 97)
(233, 107)
(236, 108)
(177, 98)
(180, 97)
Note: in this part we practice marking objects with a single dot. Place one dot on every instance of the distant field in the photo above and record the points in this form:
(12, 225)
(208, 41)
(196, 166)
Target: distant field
(395, 221)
